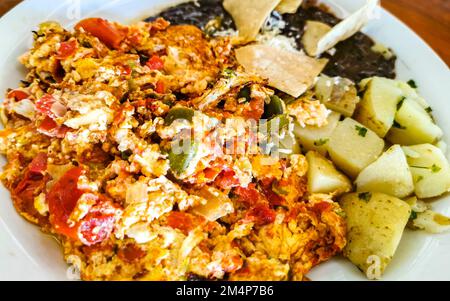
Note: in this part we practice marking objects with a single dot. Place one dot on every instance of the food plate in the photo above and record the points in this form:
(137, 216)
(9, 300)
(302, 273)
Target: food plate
(27, 254)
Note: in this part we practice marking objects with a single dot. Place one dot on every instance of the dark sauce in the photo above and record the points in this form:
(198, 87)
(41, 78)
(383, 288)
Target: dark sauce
(199, 15)
(353, 59)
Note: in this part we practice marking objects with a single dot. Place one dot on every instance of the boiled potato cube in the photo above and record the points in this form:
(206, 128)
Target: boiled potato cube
(413, 125)
(430, 170)
(323, 176)
(412, 94)
(314, 138)
(389, 174)
(338, 94)
(379, 105)
(352, 147)
(375, 224)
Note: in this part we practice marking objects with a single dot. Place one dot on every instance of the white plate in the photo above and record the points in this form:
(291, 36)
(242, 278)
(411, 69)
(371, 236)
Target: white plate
(27, 254)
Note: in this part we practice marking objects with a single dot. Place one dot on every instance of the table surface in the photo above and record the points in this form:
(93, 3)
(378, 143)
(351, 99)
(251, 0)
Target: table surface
(429, 18)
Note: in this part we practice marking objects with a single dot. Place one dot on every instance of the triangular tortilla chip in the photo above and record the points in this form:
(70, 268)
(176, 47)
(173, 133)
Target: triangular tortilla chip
(288, 6)
(250, 15)
(314, 31)
(347, 28)
(291, 72)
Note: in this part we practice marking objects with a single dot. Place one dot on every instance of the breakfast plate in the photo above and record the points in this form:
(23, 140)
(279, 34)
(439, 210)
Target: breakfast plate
(28, 254)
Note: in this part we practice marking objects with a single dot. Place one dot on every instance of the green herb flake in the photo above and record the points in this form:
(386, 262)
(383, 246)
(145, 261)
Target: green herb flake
(412, 84)
(228, 73)
(419, 178)
(398, 125)
(362, 131)
(126, 155)
(321, 142)
(245, 93)
(429, 110)
(365, 196)
(413, 215)
(435, 168)
(400, 103)
(419, 167)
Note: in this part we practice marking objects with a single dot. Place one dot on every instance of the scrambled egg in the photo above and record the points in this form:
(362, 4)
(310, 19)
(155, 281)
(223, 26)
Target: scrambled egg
(89, 142)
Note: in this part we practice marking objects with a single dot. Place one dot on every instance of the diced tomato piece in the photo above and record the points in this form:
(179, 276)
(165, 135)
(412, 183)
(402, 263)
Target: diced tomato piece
(44, 105)
(18, 95)
(261, 215)
(249, 195)
(255, 109)
(226, 179)
(322, 207)
(66, 49)
(160, 87)
(50, 128)
(155, 63)
(183, 221)
(126, 70)
(273, 198)
(62, 199)
(39, 164)
(131, 253)
(96, 226)
(31, 185)
(105, 31)
(35, 171)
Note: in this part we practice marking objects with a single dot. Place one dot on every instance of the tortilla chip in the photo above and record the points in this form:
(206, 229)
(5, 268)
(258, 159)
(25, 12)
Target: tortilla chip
(288, 6)
(314, 31)
(250, 15)
(291, 72)
(347, 28)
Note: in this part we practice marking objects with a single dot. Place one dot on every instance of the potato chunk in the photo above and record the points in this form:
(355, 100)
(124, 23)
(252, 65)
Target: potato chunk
(313, 138)
(413, 125)
(323, 176)
(375, 224)
(389, 174)
(379, 105)
(353, 147)
(338, 94)
(430, 170)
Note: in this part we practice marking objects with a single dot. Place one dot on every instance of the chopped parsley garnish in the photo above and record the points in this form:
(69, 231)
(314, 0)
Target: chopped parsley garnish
(126, 155)
(362, 131)
(365, 196)
(434, 168)
(419, 178)
(321, 142)
(400, 103)
(245, 93)
(398, 125)
(429, 110)
(412, 84)
(228, 73)
(37, 35)
(413, 215)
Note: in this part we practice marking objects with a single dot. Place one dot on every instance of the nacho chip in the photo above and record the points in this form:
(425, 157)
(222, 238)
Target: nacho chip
(314, 31)
(250, 15)
(287, 71)
(347, 28)
(288, 6)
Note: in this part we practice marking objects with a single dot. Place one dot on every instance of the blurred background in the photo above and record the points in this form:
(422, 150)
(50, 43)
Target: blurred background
(429, 18)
